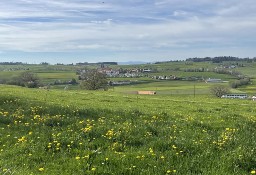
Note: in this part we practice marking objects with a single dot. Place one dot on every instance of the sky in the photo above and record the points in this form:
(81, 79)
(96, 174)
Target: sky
(72, 31)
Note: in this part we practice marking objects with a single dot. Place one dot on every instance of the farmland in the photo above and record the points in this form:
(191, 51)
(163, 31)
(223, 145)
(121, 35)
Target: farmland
(182, 129)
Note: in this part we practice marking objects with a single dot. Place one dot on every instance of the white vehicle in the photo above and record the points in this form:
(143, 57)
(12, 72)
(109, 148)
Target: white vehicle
(241, 96)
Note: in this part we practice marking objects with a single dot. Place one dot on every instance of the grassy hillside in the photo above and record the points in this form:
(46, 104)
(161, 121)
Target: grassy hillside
(97, 132)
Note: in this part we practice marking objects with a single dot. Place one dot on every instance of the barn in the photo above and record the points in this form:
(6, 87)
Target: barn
(147, 92)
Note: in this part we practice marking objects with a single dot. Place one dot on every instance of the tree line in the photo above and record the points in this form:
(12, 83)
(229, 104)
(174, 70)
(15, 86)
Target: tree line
(90, 80)
(12, 63)
(220, 59)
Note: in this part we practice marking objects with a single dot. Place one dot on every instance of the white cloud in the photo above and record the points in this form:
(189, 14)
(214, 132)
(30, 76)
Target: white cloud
(179, 13)
(152, 27)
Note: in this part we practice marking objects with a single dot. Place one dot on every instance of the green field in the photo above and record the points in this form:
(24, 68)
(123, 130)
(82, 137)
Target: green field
(90, 132)
(50, 74)
(182, 130)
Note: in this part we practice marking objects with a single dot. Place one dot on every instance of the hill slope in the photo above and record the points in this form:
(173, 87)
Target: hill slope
(88, 132)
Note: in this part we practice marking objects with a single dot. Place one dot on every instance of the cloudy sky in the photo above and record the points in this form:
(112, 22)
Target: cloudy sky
(71, 31)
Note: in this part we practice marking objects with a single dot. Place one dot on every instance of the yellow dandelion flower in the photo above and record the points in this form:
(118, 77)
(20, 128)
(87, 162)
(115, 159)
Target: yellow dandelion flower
(77, 158)
(22, 139)
(41, 169)
(93, 168)
(253, 172)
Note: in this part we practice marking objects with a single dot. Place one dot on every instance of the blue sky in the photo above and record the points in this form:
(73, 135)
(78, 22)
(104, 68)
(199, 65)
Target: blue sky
(65, 31)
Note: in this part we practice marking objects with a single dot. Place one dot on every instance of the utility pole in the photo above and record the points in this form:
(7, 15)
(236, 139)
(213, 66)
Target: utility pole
(194, 90)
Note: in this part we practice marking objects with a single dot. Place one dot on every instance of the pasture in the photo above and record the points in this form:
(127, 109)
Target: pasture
(99, 132)
(181, 130)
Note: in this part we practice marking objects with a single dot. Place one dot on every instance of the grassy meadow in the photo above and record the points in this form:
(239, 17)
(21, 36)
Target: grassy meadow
(98, 132)
(182, 130)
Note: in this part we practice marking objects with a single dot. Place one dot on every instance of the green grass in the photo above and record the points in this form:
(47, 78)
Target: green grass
(97, 132)
(50, 77)
(169, 87)
(181, 130)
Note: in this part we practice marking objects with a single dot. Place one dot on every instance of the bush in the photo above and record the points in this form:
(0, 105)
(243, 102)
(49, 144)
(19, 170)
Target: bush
(241, 82)
(219, 90)
(26, 79)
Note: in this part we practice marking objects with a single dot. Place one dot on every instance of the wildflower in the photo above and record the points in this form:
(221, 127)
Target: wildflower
(77, 158)
(93, 168)
(253, 172)
(86, 157)
(41, 169)
(22, 139)
(168, 171)
(154, 117)
(110, 133)
(87, 129)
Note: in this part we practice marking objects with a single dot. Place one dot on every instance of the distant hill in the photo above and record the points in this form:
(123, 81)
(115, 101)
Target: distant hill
(132, 62)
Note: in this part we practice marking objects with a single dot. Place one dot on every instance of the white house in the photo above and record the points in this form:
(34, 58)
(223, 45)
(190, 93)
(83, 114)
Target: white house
(213, 80)
(241, 96)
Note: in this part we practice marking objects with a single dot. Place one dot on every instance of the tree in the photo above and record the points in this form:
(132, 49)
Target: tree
(93, 80)
(219, 90)
(28, 79)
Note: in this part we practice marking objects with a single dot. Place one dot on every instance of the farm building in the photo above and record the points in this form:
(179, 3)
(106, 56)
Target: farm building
(147, 92)
(241, 96)
(213, 80)
(254, 98)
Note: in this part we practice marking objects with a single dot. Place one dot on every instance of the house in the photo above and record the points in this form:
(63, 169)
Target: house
(147, 92)
(240, 96)
(213, 80)
(147, 70)
(254, 98)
